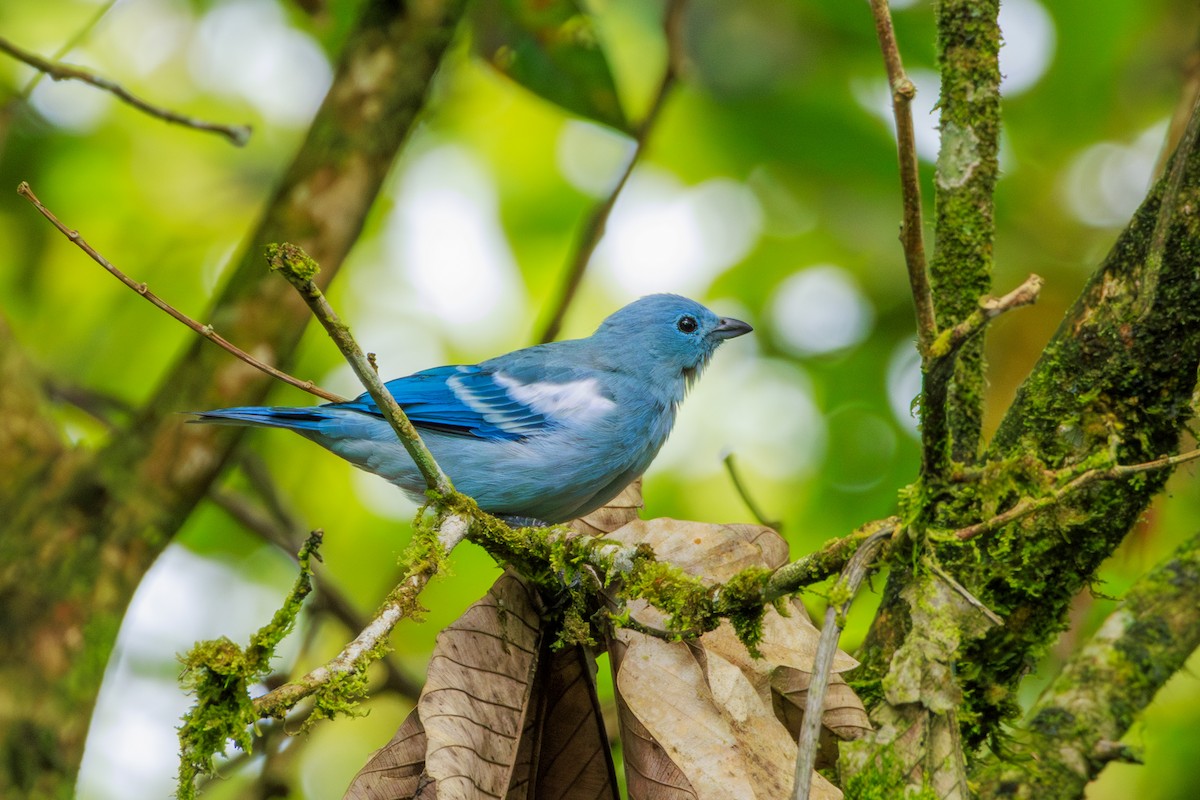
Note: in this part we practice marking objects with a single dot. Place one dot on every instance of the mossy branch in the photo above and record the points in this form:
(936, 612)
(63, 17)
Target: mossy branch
(1115, 383)
(939, 363)
(562, 562)
(219, 673)
(300, 269)
(1070, 481)
(1074, 728)
(964, 209)
(341, 681)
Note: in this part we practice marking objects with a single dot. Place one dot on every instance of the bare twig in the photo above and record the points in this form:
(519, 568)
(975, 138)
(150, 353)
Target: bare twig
(964, 593)
(1032, 504)
(299, 269)
(911, 233)
(67, 47)
(100, 406)
(204, 330)
(755, 509)
(593, 227)
(810, 731)
(236, 134)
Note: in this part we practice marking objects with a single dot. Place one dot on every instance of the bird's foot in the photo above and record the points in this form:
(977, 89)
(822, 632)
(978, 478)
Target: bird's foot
(523, 522)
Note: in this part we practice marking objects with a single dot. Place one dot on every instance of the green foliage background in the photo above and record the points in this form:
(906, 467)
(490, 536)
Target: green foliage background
(771, 99)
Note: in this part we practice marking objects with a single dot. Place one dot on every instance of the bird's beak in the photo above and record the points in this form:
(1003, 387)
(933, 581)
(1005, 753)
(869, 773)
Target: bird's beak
(728, 328)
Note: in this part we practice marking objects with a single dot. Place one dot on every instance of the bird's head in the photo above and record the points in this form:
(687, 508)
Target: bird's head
(670, 332)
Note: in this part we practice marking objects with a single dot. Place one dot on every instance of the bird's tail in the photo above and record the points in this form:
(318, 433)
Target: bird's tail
(296, 419)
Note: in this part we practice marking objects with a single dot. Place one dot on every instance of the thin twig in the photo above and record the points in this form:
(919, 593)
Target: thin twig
(236, 134)
(67, 47)
(263, 484)
(950, 341)
(964, 593)
(354, 656)
(299, 269)
(821, 564)
(911, 229)
(327, 598)
(742, 491)
(100, 406)
(1030, 504)
(204, 330)
(592, 230)
(940, 359)
(810, 730)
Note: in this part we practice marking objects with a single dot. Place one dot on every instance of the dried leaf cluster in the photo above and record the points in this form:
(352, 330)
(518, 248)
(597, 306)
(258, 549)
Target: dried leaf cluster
(504, 714)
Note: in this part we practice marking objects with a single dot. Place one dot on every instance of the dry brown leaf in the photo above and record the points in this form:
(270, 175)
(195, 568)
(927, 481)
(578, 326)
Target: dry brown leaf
(650, 774)
(622, 509)
(709, 720)
(477, 689)
(564, 747)
(500, 715)
(844, 717)
(473, 705)
(789, 641)
(714, 552)
(739, 700)
(395, 769)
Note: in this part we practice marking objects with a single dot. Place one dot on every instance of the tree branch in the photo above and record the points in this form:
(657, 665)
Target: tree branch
(235, 134)
(814, 705)
(941, 358)
(744, 493)
(28, 448)
(1114, 379)
(299, 269)
(103, 517)
(204, 330)
(911, 229)
(326, 598)
(1072, 728)
(964, 209)
(821, 564)
(367, 646)
(1081, 481)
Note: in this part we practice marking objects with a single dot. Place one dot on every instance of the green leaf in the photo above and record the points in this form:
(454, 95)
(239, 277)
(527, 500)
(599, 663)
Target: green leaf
(550, 47)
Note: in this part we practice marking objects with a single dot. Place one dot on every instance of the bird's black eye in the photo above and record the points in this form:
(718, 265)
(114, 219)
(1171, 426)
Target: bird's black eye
(687, 324)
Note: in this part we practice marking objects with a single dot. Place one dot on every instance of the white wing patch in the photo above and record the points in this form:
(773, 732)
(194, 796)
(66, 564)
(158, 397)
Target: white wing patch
(580, 400)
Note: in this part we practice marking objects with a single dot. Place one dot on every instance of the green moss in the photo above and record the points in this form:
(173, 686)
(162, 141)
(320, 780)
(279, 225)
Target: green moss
(292, 262)
(343, 693)
(884, 779)
(219, 673)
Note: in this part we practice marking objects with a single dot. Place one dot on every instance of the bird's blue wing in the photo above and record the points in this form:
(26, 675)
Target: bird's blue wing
(461, 400)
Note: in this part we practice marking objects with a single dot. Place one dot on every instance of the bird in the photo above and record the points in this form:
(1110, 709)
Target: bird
(541, 435)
